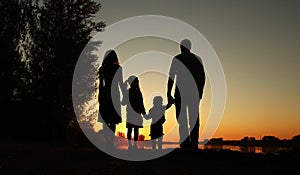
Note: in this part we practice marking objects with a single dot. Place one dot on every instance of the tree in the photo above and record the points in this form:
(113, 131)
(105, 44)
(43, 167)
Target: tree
(296, 143)
(11, 66)
(10, 29)
(63, 30)
(270, 141)
(49, 37)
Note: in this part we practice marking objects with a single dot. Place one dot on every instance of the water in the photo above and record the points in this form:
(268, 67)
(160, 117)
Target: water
(248, 149)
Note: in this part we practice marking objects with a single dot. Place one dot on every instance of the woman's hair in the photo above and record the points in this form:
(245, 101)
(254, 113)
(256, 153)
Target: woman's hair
(110, 58)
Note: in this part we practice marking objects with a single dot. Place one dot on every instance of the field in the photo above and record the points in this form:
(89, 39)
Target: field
(64, 159)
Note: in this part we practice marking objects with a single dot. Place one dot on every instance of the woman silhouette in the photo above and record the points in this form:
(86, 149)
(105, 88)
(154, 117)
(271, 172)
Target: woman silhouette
(110, 82)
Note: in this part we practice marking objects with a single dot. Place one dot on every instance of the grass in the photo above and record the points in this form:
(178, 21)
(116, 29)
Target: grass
(66, 159)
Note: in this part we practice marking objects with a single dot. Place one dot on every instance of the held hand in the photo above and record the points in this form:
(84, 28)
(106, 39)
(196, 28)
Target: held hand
(146, 116)
(123, 102)
(170, 99)
(170, 103)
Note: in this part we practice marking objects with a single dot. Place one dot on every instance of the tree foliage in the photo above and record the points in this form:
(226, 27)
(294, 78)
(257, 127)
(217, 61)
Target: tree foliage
(40, 44)
(10, 28)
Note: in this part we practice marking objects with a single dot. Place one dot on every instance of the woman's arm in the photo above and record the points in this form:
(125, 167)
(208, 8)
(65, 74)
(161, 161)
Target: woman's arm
(122, 84)
(149, 115)
(100, 88)
(141, 103)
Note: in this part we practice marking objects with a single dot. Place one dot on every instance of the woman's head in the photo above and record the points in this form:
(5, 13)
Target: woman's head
(110, 58)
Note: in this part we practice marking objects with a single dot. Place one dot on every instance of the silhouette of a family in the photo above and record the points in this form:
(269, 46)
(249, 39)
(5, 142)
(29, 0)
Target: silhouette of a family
(186, 74)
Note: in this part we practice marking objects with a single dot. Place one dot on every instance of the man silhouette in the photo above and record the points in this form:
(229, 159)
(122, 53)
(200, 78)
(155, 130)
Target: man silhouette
(188, 75)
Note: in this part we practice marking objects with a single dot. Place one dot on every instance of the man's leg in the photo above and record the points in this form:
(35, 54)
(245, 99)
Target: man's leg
(181, 115)
(194, 123)
(159, 143)
(195, 134)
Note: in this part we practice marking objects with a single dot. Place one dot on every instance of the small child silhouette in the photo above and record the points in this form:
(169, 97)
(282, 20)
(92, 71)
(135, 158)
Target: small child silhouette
(157, 114)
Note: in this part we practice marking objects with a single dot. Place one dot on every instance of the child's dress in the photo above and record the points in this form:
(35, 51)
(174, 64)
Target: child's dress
(134, 108)
(157, 114)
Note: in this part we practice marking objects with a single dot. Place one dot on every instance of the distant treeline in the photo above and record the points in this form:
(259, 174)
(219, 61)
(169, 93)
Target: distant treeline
(40, 42)
(266, 141)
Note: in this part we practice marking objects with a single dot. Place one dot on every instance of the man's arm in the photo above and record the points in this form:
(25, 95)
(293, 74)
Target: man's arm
(170, 86)
(170, 103)
(171, 81)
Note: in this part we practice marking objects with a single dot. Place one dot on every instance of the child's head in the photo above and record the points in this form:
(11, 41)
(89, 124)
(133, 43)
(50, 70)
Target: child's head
(133, 81)
(157, 100)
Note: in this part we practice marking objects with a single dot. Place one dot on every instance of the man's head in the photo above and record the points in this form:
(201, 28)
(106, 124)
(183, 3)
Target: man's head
(185, 45)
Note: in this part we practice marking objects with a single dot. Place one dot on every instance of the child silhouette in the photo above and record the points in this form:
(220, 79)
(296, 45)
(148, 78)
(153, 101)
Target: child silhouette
(134, 102)
(157, 114)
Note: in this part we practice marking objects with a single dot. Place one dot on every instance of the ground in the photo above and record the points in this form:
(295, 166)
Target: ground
(65, 159)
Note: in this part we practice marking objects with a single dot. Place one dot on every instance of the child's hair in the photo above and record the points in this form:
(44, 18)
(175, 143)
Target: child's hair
(131, 79)
(157, 100)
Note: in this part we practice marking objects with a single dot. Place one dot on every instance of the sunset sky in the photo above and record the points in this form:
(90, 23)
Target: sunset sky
(257, 43)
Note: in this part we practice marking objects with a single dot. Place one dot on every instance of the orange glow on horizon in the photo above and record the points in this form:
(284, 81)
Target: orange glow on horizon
(254, 106)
